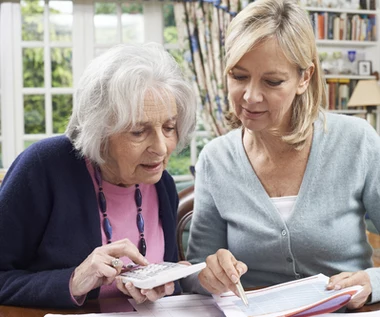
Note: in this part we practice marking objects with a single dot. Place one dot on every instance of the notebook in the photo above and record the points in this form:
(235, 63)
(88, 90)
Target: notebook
(300, 298)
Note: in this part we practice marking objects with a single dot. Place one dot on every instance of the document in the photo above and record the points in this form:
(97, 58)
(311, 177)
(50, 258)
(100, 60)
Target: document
(363, 314)
(180, 306)
(130, 314)
(172, 306)
(304, 297)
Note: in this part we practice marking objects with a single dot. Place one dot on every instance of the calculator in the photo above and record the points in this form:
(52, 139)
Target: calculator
(156, 274)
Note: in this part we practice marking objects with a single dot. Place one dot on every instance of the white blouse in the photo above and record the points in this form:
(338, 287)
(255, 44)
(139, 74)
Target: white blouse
(284, 205)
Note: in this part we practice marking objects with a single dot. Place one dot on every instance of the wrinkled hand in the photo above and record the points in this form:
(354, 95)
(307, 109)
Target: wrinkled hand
(97, 269)
(347, 279)
(222, 272)
(141, 295)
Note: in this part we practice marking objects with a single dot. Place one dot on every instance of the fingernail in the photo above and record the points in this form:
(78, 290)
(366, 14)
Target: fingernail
(129, 285)
(144, 292)
(337, 287)
(329, 285)
(146, 261)
(234, 278)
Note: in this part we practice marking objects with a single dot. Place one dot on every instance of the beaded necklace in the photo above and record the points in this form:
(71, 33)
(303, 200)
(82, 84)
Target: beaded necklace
(107, 228)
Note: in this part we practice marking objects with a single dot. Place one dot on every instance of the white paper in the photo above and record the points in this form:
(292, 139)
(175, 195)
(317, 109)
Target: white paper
(128, 314)
(179, 306)
(280, 299)
(171, 306)
(363, 314)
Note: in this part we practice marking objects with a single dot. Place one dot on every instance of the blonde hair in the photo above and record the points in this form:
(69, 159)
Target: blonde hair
(110, 96)
(289, 24)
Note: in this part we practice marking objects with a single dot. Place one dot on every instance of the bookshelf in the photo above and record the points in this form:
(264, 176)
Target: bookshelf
(352, 77)
(347, 29)
(339, 90)
(339, 29)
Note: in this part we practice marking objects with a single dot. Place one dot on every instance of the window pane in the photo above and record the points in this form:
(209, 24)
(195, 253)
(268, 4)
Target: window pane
(33, 63)
(28, 143)
(32, 15)
(61, 21)
(132, 21)
(1, 150)
(178, 56)
(170, 28)
(99, 51)
(61, 67)
(1, 161)
(179, 164)
(105, 23)
(34, 114)
(201, 142)
(62, 106)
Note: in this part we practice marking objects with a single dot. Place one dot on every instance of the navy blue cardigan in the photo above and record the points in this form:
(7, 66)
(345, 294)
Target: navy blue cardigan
(49, 223)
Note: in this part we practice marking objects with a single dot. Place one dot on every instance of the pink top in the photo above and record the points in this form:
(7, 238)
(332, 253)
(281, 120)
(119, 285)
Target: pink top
(122, 211)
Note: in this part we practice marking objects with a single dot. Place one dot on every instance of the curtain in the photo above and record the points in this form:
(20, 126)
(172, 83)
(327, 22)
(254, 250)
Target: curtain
(201, 31)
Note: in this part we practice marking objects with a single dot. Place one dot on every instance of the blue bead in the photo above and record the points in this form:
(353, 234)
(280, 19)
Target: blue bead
(107, 228)
(140, 223)
(138, 197)
(102, 202)
(142, 246)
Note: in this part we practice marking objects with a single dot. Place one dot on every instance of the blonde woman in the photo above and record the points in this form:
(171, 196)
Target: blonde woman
(284, 194)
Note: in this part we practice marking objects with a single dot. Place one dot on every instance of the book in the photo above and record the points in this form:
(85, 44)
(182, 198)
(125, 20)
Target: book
(299, 298)
(336, 28)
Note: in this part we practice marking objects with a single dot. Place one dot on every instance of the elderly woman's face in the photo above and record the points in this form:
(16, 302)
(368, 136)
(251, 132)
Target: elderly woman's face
(141, 155)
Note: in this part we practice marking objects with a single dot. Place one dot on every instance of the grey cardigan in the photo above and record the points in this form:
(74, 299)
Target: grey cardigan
(326, 232)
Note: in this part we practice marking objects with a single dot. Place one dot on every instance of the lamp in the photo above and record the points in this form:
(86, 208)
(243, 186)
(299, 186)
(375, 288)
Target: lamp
(366, 94)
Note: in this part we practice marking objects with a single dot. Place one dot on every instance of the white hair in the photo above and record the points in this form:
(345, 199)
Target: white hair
(111, 92)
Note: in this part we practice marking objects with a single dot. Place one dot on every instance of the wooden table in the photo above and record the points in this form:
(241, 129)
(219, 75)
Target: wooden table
(104, 305)
(97, 306)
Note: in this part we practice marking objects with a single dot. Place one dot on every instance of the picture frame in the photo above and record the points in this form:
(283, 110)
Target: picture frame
(364, 68)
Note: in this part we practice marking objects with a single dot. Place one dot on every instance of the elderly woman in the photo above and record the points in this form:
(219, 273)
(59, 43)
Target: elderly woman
(69, 204)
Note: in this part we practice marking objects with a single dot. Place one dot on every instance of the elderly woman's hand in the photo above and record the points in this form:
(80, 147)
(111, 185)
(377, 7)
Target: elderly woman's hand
(347, 279)
(222, 272)
(98, 268)
(141, 295)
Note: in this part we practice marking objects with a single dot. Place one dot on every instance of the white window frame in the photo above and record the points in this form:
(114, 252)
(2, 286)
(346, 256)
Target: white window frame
(10, 69)
(83, 47)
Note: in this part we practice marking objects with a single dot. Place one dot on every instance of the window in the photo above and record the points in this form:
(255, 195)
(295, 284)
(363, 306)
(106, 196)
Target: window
(51, 42)
(47, 90)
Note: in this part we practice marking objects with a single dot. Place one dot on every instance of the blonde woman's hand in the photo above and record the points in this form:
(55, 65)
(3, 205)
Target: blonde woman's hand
(347, 279)
(222, 272)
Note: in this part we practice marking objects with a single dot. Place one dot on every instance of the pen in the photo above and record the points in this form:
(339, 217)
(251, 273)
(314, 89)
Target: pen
(242, 294)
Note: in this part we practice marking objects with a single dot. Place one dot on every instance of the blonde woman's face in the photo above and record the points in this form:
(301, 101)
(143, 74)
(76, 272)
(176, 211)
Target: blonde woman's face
(141, 154)
(262, 87)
